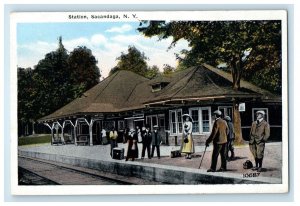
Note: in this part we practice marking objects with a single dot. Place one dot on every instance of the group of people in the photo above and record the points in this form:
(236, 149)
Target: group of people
(149, 139)
(227, 138)
(222, 136)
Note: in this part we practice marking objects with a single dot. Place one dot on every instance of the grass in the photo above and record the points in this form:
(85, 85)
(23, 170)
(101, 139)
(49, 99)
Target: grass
(34, 140)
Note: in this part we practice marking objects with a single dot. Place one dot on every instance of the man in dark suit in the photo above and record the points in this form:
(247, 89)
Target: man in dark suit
(219, 138)
(147, 139)
(156, 140)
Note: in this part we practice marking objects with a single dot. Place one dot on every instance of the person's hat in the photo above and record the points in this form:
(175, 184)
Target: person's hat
(131, 130)
(218, 112)
(155, 126)
(187, 115)
(261, 112)
(227, 118)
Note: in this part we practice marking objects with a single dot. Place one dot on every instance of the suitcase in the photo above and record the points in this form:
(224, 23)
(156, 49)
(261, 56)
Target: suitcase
(118, 153)
(175, 153)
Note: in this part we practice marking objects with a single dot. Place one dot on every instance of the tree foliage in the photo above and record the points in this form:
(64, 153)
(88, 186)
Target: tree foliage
(83, 66)
(152, 72)
(55, 81)
(133, 60)
(167, 69)
(250, 49)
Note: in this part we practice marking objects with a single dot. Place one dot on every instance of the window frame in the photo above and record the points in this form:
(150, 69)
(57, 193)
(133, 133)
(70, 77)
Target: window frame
(200, 120)
(176, 122)
(123, 122)
(226, 107)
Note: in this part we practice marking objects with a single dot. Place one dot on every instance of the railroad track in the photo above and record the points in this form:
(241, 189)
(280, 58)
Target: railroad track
(41, 172)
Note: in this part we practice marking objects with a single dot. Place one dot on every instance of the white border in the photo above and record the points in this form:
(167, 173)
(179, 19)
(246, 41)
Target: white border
(164, 189)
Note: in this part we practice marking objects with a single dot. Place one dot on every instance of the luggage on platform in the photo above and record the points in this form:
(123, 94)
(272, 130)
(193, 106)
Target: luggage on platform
(175, 153)
(118, 153)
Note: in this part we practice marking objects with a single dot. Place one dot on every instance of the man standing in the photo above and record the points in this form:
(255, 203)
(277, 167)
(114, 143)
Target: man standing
(259, 134)
(156, 140)
(113, 135)
(219, 138)
(147, 139)
(230, 139)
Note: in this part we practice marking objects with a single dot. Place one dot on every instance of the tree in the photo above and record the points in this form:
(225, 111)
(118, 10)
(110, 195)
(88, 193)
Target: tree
(245, 47)
(55, 81)
(152, 72)
(134, 61)
(25, 93)
(83, 70)
(167, 70)
(52, 79)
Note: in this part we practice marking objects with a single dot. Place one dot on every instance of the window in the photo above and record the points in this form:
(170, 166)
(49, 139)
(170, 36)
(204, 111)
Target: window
(202, 119)
(161, 122)
(179, 121)
(108, 125)
(195, 116)
(159, 86)
(176, 122)
(205, 120)
(173, 122)
(254, 110)
(226, 111)
(151, 121)
(156, 87)
(121, 125)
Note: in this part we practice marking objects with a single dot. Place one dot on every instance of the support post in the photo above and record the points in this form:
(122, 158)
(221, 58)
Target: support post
(91, 132)
(52, 136)
(62, 135)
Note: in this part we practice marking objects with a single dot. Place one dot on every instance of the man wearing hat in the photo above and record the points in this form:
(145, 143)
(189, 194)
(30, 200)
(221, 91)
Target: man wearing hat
(259, 134)
(230, 138)
(219, 138)
(156, 140)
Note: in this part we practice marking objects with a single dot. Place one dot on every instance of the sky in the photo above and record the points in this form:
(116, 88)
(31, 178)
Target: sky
(106, 40)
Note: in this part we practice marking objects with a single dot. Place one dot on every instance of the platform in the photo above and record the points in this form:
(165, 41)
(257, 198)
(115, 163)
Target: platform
(166, 169)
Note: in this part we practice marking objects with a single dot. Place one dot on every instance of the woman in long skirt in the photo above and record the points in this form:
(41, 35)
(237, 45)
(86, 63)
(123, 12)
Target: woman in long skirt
(187, 143)
(132, 150)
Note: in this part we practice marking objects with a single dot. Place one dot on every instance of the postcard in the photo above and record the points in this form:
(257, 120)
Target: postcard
(160, 102)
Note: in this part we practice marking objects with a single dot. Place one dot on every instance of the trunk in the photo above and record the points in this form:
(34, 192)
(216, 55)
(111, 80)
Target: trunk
(236, 77)
(33, 132)
(237, 124)
(26, 129)
(236, 73)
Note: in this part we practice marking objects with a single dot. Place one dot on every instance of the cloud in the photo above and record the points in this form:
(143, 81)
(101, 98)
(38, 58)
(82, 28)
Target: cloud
(124, 28)
(107, 49)
(29, 54)
(98, 39)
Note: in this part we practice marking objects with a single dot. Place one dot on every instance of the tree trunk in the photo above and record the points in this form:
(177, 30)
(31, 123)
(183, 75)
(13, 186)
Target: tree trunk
(237, 124)
(26, 130)
(236, 73)
(33, 132)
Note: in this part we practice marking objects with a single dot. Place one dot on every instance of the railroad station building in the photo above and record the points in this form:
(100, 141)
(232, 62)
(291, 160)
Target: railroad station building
(125, 99)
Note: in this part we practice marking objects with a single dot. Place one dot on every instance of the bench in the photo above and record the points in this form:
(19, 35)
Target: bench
(82, 140)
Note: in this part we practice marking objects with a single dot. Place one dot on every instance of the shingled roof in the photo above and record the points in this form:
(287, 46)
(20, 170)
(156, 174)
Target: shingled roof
(206, 82)
(125, 91)
(109, 95)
